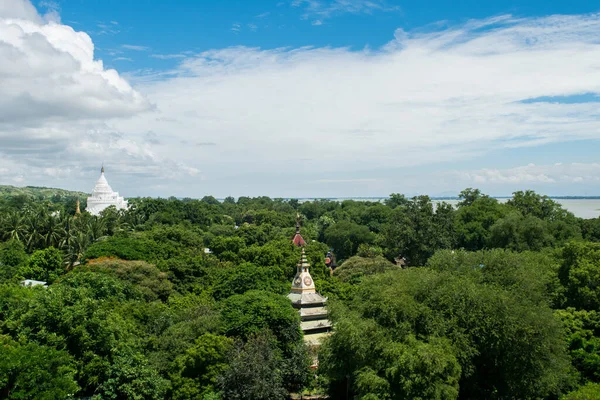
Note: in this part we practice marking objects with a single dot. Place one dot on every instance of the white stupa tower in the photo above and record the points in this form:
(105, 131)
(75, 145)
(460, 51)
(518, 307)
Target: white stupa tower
(103, 197)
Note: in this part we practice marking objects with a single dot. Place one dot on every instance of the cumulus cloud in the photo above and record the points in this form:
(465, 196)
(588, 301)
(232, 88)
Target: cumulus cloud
(53, 92)
(20, 9)
(52, 74)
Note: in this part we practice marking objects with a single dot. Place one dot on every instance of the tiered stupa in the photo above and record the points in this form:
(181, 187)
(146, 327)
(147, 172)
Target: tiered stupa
(103, 197)
(310, 305)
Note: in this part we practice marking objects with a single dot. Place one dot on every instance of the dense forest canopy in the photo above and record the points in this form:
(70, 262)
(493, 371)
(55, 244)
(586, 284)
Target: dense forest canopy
(184, 299)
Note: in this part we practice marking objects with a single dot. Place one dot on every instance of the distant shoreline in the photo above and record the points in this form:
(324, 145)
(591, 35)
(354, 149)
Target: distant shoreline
(366, 198)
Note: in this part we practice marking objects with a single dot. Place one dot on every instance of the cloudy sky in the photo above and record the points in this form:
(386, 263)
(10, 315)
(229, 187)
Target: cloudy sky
(301, 98)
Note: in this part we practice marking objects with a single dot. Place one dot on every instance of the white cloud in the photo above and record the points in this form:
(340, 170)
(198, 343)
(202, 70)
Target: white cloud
(52, 10)
(107, 29)
(285, 119)
(135, 47)
(329, 8)
(559, 173)
(425, 98)
(55, 99)
(361, 180)
(167, 56)
(20, 9)
(52, 75)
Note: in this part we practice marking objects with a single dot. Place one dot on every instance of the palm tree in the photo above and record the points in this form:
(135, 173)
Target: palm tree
(96, 229)
(52, 230)
(34, 236)
(13, 226)
(76, 247)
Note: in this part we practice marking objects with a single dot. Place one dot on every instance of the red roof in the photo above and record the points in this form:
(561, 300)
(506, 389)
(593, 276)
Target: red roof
(298, 240)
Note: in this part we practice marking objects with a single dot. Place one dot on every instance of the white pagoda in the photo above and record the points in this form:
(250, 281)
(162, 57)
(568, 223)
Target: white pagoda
(103, 197)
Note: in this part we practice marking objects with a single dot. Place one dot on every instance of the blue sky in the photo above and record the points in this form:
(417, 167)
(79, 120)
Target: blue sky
(173, 27)
(301, 98)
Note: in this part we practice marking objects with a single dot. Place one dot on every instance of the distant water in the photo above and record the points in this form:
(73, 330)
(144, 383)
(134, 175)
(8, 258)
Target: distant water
(581, 207)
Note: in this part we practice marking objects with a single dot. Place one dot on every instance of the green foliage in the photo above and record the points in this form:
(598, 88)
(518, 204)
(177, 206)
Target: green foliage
(130, 377)
(346, 236)
(580, 275)
(245, 277)
(255, 371)
(12, 256)
(131, 248)
(415, 230)
(148, 279)
(582, 330)
(44, 265)
(150, 314)
(516, 232)
(590, 229)
(200, 365)
(355, 268)
(453, 332)
(532, 276)
(474, 218)
(529, 203)
(31, 371)
(253, 312)
(16, 197)
(591, 391)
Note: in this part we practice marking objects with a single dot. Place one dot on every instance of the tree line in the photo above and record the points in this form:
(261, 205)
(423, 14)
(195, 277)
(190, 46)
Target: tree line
(184, 299)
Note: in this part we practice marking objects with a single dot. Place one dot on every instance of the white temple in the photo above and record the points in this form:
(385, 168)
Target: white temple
(103, 197)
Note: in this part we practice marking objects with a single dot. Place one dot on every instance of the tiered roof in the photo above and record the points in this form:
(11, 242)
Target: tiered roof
(298, 240)
(310, 304)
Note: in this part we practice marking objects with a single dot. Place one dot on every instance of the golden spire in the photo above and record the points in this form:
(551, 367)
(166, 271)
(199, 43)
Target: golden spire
(303, 264)
(77, 208)
(102, 169)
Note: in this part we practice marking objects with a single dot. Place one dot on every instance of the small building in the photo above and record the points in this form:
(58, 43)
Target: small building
(32, 283)
(103, 197)
(310, 305)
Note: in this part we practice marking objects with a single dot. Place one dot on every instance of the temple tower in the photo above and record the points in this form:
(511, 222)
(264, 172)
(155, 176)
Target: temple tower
(310, 305)
(103, 197)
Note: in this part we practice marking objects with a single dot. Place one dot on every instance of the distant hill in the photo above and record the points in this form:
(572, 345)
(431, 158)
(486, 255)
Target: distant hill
(40, 193)
(15, 197)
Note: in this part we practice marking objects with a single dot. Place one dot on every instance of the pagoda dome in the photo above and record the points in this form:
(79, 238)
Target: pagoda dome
(103, 197)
